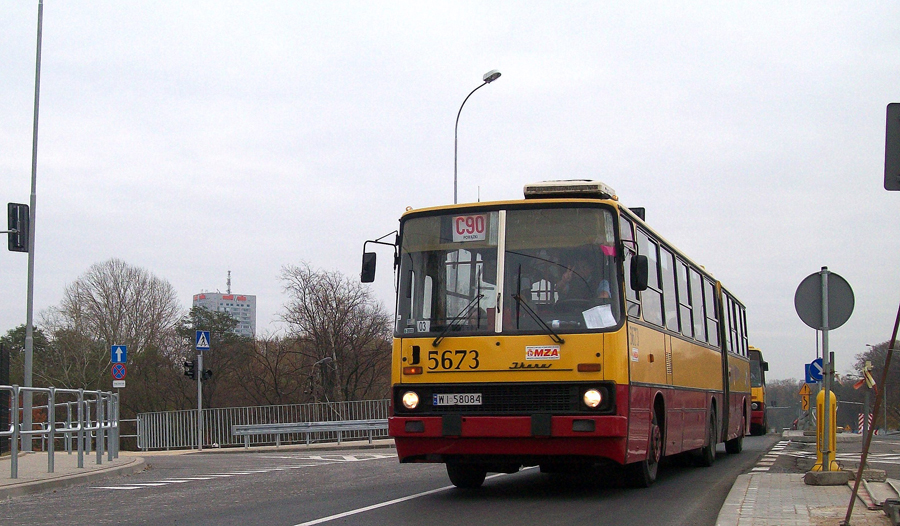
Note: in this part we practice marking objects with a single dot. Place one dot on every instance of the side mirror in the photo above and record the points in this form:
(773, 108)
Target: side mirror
(368, 268)
(639, 272)
(764, 366)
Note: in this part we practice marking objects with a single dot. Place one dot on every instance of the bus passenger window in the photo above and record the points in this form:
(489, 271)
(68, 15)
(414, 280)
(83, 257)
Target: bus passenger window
(633, 302)
(697, 302)
(684, 300)
(667, 266)
(651, 298)
(712, 319)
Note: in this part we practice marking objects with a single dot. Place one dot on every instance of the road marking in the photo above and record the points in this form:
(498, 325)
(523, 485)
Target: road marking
(387, 503)
(318, 460)
(769, 459)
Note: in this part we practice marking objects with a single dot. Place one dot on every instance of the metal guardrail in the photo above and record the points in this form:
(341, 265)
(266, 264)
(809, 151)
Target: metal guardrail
(309, 428)
(88, 415)
(178, 429)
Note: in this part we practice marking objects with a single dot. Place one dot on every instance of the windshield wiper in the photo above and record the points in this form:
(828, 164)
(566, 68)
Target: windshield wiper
(555, 337)
(521, 303)
(464, 313)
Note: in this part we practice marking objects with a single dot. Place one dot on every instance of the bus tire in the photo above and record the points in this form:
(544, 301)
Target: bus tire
(466, 476)
(642, 474)
(736, 445)
(708, 452)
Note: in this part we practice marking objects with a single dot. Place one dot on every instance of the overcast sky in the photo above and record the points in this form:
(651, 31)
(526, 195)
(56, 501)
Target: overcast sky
(194, 138)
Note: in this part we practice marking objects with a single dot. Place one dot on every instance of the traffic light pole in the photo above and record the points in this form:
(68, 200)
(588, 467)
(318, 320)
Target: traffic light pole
(199, 376)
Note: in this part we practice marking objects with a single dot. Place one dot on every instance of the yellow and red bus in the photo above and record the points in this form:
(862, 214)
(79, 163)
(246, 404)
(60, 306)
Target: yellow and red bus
(559, 331)
(759, 424)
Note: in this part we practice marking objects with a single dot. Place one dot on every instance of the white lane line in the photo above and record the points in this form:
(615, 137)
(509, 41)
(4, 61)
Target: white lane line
(115, 487)
(383, 504)
(146, 484)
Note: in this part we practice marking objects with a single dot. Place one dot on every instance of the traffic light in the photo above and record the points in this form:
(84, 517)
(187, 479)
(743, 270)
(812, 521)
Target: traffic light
(207, 374)
(190, 369)
(892, 148)
(18, 221)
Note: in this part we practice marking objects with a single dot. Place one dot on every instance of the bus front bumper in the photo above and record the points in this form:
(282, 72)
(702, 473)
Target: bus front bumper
(433, 438)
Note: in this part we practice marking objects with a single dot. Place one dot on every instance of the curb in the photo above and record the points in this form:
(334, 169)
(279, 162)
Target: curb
(135, 465)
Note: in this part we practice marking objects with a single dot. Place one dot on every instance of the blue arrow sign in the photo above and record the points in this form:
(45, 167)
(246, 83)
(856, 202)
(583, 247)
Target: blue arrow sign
(202, 340)
(814, 371)
(119, 353)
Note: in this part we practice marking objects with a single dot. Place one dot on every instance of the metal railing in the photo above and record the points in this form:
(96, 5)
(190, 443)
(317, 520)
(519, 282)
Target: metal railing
(69, 415)
(178, 429)
(311, 428)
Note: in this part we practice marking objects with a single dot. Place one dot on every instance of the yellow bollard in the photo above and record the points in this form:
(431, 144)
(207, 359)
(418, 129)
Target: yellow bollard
(832, 433)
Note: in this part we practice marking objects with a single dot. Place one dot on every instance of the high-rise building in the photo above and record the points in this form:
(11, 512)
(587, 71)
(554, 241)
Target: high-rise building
(241, 307)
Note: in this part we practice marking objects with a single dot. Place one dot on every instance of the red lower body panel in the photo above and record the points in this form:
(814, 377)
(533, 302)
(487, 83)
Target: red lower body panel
(422, 439)
(757, 417)
(528, 438)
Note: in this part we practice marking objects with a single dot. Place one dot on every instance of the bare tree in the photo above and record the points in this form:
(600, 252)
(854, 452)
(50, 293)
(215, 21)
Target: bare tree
(112, 303)
(343, 332)
(120, 305)
(272, 373)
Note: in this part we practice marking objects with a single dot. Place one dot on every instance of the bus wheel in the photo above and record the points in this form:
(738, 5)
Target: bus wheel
(708, 452)
(736, 445)
(466, 476)
(642, 474)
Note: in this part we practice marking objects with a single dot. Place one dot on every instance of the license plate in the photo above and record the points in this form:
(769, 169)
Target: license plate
(457, 399)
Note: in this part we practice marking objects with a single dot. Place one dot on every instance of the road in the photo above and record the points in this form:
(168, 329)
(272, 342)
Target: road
(369, 487)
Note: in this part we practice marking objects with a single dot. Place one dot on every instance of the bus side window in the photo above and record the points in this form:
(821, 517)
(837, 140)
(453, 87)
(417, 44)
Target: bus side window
(697, 303)
(744, 343)
(632, 300)
(670, 301)
(712, 319)
(651, 299)
(684, 299)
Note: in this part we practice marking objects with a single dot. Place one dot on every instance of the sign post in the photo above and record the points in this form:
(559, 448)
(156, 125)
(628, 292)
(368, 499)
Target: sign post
(118, 355)
(201, 344)
(824, 301)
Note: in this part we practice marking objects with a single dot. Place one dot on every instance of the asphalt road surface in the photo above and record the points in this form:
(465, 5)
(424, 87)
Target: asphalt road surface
(369, 487)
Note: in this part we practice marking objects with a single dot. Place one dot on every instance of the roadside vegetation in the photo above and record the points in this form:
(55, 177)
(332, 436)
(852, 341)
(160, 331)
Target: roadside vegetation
(336, 347)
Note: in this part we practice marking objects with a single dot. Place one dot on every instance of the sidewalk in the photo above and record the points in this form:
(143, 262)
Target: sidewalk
(781, 499)
(778, 499)
(34, 478)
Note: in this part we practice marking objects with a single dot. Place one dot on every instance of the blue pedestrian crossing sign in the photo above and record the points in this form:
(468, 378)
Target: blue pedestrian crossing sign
(119, 353)
(202, 341)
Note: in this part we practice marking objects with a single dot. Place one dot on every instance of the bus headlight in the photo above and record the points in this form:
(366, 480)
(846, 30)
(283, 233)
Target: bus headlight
(410, 400)
(754, 406)
(592, 398)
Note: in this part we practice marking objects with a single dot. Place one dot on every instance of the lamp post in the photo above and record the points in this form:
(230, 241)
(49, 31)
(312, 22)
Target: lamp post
(488, 77)
(29, 321)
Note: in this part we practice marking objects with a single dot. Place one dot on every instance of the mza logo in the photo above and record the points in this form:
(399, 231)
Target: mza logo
(542, 352)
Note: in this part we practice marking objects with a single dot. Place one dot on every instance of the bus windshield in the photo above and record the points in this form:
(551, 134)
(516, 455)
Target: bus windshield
(559, 272)
(756, 375)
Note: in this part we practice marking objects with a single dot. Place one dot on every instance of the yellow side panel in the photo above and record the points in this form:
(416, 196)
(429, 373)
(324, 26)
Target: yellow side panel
(695, 366)
(647, 353)
(658, 358)
(739, 373)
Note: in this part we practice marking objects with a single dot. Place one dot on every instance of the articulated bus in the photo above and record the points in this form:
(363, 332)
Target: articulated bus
(558, 331)
(759, 424)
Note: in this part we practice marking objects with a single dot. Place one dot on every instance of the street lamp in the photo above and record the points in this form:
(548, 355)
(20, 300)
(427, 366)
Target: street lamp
(488, 77)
